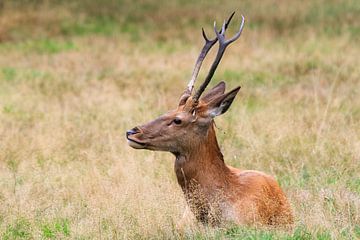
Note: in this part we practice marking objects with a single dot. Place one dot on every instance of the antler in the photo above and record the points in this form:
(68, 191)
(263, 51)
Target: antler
(207, 46)
(222, 46)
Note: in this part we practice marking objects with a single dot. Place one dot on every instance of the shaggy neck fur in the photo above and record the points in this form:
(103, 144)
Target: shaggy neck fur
(202, 165)
(202, 175)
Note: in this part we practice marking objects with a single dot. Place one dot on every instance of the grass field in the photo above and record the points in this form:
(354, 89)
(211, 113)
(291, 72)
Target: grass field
(75, 75)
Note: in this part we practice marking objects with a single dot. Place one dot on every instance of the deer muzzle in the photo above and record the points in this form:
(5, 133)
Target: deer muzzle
(132, 140)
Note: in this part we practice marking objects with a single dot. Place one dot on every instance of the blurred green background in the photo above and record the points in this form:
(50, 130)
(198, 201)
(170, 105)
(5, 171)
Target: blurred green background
(167, 20)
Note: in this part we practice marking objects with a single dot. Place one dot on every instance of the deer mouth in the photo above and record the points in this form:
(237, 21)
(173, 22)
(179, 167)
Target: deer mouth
(131, 141)
(135, 144)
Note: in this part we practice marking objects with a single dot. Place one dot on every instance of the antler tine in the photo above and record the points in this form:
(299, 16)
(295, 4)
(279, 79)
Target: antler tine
(222, 46)
(235, 37)
(206, 48)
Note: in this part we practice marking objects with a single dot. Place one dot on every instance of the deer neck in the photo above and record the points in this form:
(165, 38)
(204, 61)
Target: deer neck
(203, 165)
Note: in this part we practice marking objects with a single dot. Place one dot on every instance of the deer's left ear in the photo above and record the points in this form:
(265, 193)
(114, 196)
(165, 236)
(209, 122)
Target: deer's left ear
(218, 90)
(221, 104)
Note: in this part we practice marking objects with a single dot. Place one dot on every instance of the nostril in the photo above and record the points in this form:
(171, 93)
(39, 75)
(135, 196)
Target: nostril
(132, 131)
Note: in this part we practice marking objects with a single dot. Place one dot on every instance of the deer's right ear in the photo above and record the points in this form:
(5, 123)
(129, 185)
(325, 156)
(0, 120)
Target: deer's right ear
(221, 104)
(184, 97)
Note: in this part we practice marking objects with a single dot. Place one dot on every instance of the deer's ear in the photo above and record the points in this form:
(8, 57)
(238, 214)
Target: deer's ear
(184, 97)
(221, 104)
(216, 91)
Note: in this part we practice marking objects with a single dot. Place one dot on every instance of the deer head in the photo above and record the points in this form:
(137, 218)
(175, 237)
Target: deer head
(183, 129)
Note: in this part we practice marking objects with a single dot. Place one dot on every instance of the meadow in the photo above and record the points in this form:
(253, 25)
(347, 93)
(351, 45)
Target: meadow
(75, 75)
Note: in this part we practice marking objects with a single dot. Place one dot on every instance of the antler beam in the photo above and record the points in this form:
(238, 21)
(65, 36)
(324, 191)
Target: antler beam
(223, 44)
(207, 46)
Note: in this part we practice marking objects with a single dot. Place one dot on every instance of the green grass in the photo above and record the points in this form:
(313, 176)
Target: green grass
(53, 230)
(20, 229)
(40, 46)
(8, 74)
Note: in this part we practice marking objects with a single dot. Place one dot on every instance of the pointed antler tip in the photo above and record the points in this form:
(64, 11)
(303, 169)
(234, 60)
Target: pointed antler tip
(204, 35)
(242, 23)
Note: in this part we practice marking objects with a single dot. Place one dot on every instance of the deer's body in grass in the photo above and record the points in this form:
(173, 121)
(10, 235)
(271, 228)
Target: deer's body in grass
(214, 191)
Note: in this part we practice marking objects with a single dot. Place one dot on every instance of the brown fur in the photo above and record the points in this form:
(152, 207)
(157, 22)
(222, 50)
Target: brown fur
(256, 197)
(215, 192)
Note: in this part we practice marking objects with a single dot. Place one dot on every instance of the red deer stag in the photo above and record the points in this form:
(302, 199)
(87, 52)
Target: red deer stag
(215, 192)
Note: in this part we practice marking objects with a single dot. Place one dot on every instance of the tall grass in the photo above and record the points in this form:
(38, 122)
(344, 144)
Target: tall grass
(74, 76)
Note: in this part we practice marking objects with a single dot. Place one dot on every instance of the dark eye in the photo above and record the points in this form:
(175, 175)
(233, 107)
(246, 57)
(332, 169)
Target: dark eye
(177, 121)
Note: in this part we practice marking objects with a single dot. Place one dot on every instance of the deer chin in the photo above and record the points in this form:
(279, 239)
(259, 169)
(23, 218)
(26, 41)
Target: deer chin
(145, 145)
(135, 144)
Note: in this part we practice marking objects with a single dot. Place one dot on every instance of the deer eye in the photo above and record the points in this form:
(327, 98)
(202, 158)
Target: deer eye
(177, 121)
